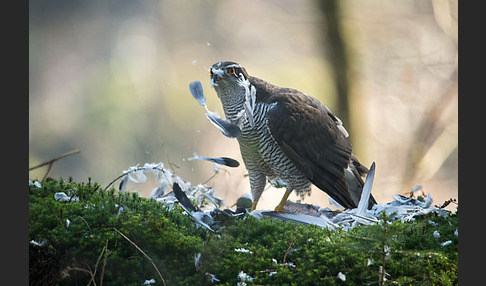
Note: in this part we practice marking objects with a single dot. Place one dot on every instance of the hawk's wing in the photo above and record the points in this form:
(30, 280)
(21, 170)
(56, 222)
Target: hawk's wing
(312, 138)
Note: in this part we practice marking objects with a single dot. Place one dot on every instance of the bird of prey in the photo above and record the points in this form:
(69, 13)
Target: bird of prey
(288, 135)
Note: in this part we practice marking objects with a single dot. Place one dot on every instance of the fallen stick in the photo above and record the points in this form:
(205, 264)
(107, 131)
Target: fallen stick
(144, 254)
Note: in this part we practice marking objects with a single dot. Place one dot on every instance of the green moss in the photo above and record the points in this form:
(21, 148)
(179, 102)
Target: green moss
(171, 239)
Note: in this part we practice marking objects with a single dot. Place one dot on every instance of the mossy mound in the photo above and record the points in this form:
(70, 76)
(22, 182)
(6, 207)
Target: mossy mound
(83, 245)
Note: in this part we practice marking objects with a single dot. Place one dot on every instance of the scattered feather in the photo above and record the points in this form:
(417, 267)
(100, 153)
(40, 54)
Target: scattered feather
(197, 261)
(62, 197)
(250, 98)
(212, 277)
(382, 273)
(334, 203)
(249, 114)
(195, 213)
(428, 200)
(38, 244)
(366, 192)
(243, 250)
(277, 183)
(341, 276)
(415, 189)
(288, 264)
(137, 177)
(160, 190)
(132, 178)
(36, 184)
(148, 282)
(197, 92)
(243, 277)
(219, 160)
(436, 234)
(120, 211)
(228, 129)
(323, 221)
(183, 199)
(123, 184)
(445, 243)
(432, 223)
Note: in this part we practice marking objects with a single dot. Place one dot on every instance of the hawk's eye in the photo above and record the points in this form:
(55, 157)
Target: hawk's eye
(231, 71)
(210, 72)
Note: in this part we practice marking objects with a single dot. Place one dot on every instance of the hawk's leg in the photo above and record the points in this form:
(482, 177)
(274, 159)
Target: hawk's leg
(257, 185)
(283, 200)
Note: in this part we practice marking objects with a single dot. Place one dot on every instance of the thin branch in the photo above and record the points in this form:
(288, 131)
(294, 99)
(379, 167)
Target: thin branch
(55, 159)
(92, 276)
(80, 269)
(381, 280)
(214, 175)
(111, 183)
(96, 265)
(210, 178)
(48, 170)
(144, 254)
(104, 264)
(171, 164)
(50, 162)
(288, 249)
(89, 228)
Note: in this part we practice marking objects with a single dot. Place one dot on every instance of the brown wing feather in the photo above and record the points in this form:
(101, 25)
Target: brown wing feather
(309, 136)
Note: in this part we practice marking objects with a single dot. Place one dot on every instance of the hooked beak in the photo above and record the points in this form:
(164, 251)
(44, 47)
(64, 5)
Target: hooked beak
(216, 74)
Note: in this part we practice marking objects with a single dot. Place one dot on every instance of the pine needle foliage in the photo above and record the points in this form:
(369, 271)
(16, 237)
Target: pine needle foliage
(82, 247)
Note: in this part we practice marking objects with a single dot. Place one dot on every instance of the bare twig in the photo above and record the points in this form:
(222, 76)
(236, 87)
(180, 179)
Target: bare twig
(114, 180)
(384, 251)
(210, 178)
(171, 164)
(288, 249)
(90, 232)
(144, 254)
(104, 264)
(214, 175)
(96, 265)
(92, 276)
(53, 213)
(80, 269)
(50, 162)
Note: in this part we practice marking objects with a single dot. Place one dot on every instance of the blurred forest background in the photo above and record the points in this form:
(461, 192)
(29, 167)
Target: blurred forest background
(110, 78)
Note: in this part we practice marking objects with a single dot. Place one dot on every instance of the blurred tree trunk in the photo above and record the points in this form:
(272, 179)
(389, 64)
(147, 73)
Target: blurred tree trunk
(335, 49)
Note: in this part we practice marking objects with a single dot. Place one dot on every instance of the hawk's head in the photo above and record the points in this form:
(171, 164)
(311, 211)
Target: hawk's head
(227, 75)
(238, 96)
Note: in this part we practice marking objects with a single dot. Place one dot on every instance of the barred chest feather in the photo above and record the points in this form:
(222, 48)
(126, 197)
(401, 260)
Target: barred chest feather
(262, 154)
(256, 142)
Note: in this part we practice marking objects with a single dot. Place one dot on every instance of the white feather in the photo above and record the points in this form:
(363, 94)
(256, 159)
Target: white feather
(366, 192)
